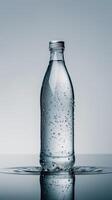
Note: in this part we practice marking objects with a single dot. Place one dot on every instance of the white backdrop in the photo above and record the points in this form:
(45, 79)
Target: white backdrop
(26, 26)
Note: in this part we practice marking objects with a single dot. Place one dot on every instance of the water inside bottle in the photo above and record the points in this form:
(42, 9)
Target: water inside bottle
(57, 115)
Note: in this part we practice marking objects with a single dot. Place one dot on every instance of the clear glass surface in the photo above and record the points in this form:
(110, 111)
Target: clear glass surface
(57, 117)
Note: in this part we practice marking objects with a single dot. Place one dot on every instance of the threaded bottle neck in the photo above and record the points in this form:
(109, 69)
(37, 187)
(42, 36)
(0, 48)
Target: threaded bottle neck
(56, 50)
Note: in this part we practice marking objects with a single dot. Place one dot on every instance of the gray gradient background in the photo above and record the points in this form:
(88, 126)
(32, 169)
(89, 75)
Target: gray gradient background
(26, 26)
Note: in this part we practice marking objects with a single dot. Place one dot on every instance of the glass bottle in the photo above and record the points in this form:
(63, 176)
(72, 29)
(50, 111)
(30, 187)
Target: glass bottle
(57, 113)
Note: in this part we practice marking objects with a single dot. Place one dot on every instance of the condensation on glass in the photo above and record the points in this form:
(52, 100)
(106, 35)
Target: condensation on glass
(57, 113)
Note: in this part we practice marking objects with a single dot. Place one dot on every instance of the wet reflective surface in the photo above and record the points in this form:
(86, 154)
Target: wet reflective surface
(76, 170)
(57, 186)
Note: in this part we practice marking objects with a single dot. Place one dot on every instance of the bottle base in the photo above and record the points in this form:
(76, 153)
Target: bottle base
(53, 163)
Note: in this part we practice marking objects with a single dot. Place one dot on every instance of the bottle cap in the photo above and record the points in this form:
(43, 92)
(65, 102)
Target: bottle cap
(56, 44)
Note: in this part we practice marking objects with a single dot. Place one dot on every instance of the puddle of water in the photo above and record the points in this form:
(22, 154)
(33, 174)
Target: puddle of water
(77, 170)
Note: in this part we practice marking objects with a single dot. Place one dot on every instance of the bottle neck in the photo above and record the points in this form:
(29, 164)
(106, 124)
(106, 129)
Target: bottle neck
(57, 54)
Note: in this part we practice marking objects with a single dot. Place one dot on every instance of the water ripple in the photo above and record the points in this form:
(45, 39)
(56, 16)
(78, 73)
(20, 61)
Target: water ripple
(76, 170)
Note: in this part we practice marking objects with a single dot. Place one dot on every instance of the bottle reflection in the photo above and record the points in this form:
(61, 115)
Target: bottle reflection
(57, 187)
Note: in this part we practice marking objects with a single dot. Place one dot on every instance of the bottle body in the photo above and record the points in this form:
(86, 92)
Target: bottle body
(57, 118)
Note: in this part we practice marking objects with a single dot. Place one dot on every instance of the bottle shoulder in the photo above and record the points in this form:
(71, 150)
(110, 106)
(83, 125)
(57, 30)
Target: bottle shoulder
(58, 79)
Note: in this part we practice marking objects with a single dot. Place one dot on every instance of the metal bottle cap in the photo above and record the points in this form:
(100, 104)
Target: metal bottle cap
(56, 44)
